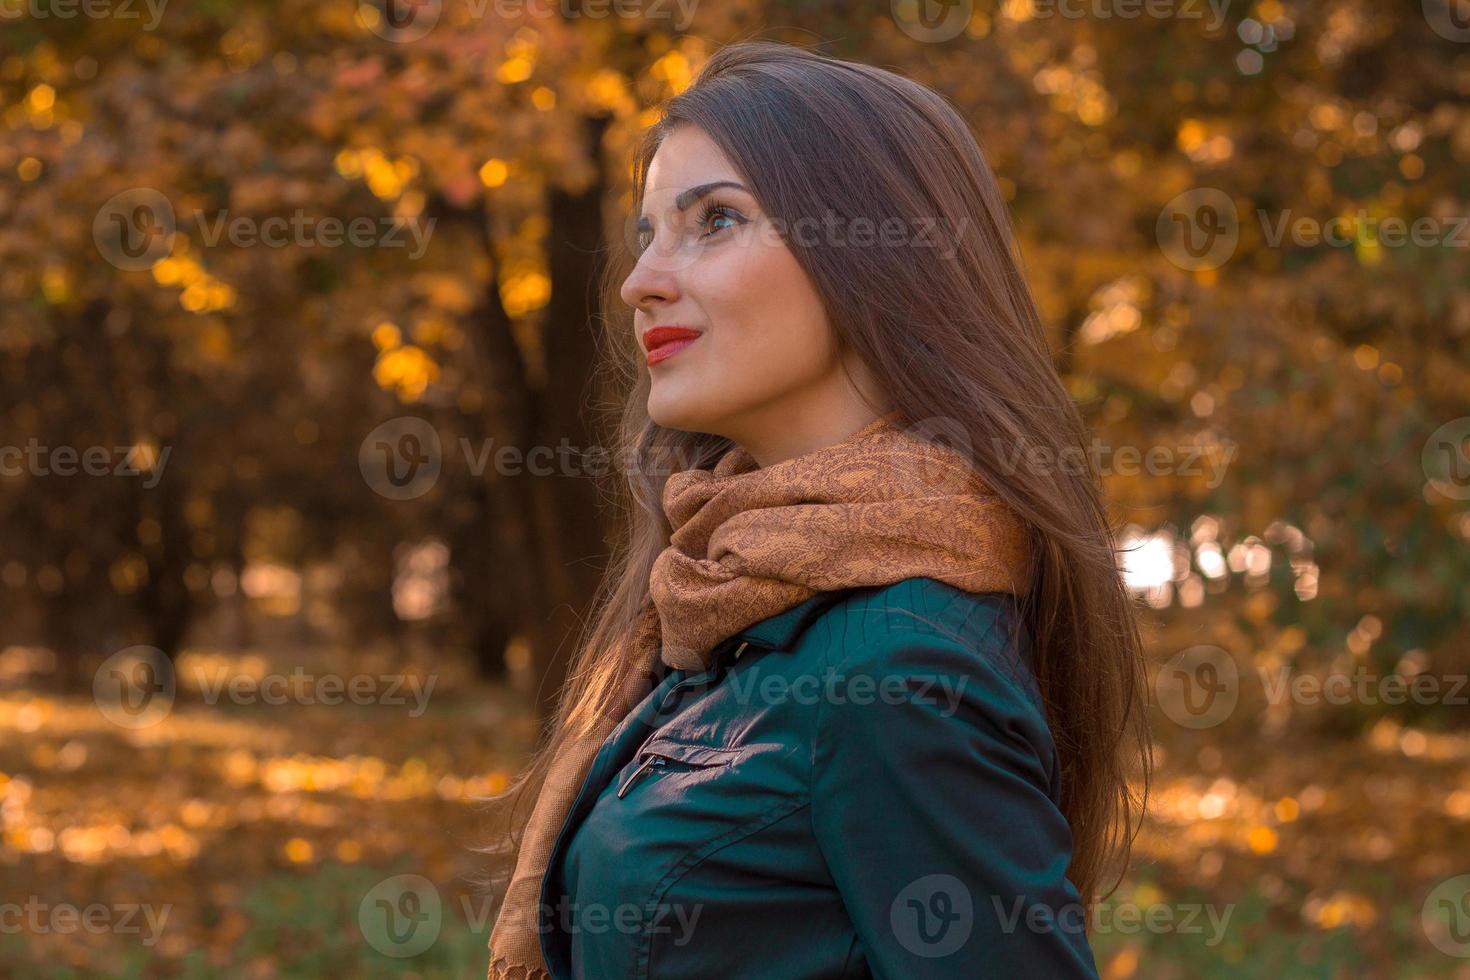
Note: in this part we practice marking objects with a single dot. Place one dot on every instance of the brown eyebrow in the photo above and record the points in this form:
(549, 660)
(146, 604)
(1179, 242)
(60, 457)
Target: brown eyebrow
(693, 194)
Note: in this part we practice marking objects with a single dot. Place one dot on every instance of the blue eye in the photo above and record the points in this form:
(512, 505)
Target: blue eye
(709, 212)
(714, 210)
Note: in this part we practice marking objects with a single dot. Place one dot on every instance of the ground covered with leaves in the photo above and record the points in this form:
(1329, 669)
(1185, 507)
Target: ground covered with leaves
(258, 839)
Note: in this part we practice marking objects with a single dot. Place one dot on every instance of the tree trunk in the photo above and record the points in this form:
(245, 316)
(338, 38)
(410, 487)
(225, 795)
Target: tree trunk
(578, 555)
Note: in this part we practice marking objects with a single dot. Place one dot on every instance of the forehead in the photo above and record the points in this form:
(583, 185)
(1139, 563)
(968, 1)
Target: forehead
(686, 157)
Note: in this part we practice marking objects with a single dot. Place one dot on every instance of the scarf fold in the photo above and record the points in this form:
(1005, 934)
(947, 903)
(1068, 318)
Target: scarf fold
(748, 542)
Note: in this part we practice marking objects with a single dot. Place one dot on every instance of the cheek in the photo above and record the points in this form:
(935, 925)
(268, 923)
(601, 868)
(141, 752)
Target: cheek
(767, 320)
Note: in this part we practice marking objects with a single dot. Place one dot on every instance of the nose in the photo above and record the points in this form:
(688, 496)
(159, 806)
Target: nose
(650, 283)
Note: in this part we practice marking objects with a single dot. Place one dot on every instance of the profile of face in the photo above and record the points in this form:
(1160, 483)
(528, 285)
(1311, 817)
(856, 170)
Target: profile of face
(741, 344)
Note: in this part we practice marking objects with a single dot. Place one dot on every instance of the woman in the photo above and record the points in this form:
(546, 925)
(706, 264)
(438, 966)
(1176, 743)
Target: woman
(865, 687)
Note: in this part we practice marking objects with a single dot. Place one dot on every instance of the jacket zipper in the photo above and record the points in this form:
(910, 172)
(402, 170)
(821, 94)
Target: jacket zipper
(572, 811)
(658, 760)
(582, 791)
(647, 764)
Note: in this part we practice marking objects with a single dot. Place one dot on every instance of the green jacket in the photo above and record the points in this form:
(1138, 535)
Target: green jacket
(861, 786)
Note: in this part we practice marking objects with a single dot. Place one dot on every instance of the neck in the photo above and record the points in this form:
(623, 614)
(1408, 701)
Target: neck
(788, 435)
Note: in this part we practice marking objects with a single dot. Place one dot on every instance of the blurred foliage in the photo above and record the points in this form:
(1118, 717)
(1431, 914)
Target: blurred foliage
(1307, 378)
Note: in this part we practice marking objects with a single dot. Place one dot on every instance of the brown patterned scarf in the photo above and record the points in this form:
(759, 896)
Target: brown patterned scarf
(880, 506)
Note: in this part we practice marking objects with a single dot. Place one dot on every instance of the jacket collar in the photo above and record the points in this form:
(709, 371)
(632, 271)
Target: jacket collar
(778, 632)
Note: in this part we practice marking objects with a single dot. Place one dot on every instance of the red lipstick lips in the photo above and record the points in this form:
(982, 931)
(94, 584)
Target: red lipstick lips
(663, 343)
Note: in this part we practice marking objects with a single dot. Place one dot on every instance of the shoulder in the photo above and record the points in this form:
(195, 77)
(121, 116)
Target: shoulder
(882, 626)
(970, 651)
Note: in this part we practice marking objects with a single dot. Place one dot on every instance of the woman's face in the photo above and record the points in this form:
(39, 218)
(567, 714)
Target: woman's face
(763, 368)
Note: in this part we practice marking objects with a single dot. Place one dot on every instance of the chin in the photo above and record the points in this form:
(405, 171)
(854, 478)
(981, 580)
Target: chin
(674, 416)
(683, 411)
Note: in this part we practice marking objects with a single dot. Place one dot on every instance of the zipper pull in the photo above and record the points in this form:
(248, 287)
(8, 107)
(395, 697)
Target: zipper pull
(651, 761)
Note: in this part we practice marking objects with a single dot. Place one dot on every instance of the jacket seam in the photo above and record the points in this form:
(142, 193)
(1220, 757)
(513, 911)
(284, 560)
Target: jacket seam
(772, 814)
(811, 789)
(905, 609)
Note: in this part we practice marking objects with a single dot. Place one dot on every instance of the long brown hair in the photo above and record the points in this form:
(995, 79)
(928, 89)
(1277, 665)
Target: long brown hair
(951, 331)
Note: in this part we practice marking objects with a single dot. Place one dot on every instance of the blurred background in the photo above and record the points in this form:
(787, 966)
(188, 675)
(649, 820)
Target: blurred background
(303, 496)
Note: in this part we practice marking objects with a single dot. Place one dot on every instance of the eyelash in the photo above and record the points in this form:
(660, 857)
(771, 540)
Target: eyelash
(708, 211)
